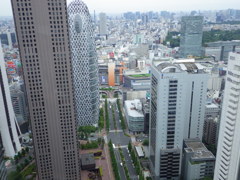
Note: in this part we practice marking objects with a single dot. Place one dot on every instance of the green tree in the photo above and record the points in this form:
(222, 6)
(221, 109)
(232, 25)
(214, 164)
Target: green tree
(129, 146)
(146, 142)
(106, 115)
(16, 158)
(26, 162)
(27, 149)
(14, 175)
(30, 158)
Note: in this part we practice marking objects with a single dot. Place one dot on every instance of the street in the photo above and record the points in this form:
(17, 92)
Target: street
(129, 164)
(120, 141)
(120, 167)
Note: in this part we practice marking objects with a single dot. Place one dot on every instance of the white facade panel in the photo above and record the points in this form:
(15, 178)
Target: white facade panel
(228, 154)
(8, 129)
(181, 98)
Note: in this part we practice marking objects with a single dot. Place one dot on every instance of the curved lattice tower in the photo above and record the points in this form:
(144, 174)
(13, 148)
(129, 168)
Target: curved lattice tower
(84, 63)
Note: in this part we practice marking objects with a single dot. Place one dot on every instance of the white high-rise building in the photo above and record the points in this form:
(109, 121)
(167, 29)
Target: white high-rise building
(84, 64)
(102, 24)
(8, 121)
(228, 151)
(178, 96)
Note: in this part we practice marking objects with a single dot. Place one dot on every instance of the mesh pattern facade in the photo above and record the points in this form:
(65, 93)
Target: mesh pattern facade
(84, 63)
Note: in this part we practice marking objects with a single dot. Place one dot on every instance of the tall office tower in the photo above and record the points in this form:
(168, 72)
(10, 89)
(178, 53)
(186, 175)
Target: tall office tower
(8, 122)
(84, 62)
(8, 38)
(178, 95)
(42, 31)
(19, 103)
(103, 24)
(228, 154)
(191, 36)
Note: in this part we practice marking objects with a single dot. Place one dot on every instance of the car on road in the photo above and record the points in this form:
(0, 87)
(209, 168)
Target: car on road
(121, 164)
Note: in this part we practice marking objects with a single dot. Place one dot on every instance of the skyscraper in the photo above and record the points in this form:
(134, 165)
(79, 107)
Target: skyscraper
(19, 103)
(191, 36)
(42, 31)
(84, 62)
(8, 130)
(102, 24)
(178, 93)
(228, 154)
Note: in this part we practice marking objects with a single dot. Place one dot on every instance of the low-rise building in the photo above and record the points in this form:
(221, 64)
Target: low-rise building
(198, 161)
(111, 73)
(137, 82)
(134, 115)
(88, 162)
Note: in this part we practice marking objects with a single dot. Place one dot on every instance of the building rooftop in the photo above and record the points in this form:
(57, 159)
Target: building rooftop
(140, 75)
(139, 151)
(237, 42)
(134, 108)
(87, 159)
(198, 148)
(130, 72)
(211, 105)
(180, 66)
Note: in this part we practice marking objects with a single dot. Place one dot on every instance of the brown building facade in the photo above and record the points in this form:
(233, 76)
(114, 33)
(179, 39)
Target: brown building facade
(42, 31)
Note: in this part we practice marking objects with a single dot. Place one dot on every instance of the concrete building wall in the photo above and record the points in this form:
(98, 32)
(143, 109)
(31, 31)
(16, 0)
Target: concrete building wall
(135, 122)
(45, 55)
(215, 82)
(224, 47)
(228, 154)
(178, 101)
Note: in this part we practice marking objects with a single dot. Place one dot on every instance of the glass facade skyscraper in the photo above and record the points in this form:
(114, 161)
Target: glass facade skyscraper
(191, 36)
(84, 63)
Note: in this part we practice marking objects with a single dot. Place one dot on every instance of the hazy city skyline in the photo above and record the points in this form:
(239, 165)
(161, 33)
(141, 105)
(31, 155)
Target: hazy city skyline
(117, 89)
(119, 6)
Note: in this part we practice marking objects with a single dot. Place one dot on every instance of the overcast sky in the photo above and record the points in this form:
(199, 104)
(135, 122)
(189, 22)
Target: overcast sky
(120, 6)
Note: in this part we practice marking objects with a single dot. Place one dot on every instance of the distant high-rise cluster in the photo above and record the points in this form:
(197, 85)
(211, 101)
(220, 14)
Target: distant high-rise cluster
(191, 36)
(43, 38)
(84, 64)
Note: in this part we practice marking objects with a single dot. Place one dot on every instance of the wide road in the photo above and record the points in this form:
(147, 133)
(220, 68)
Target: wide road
(129, 164)
(110, 116)
(120, 141)
(120, 167)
